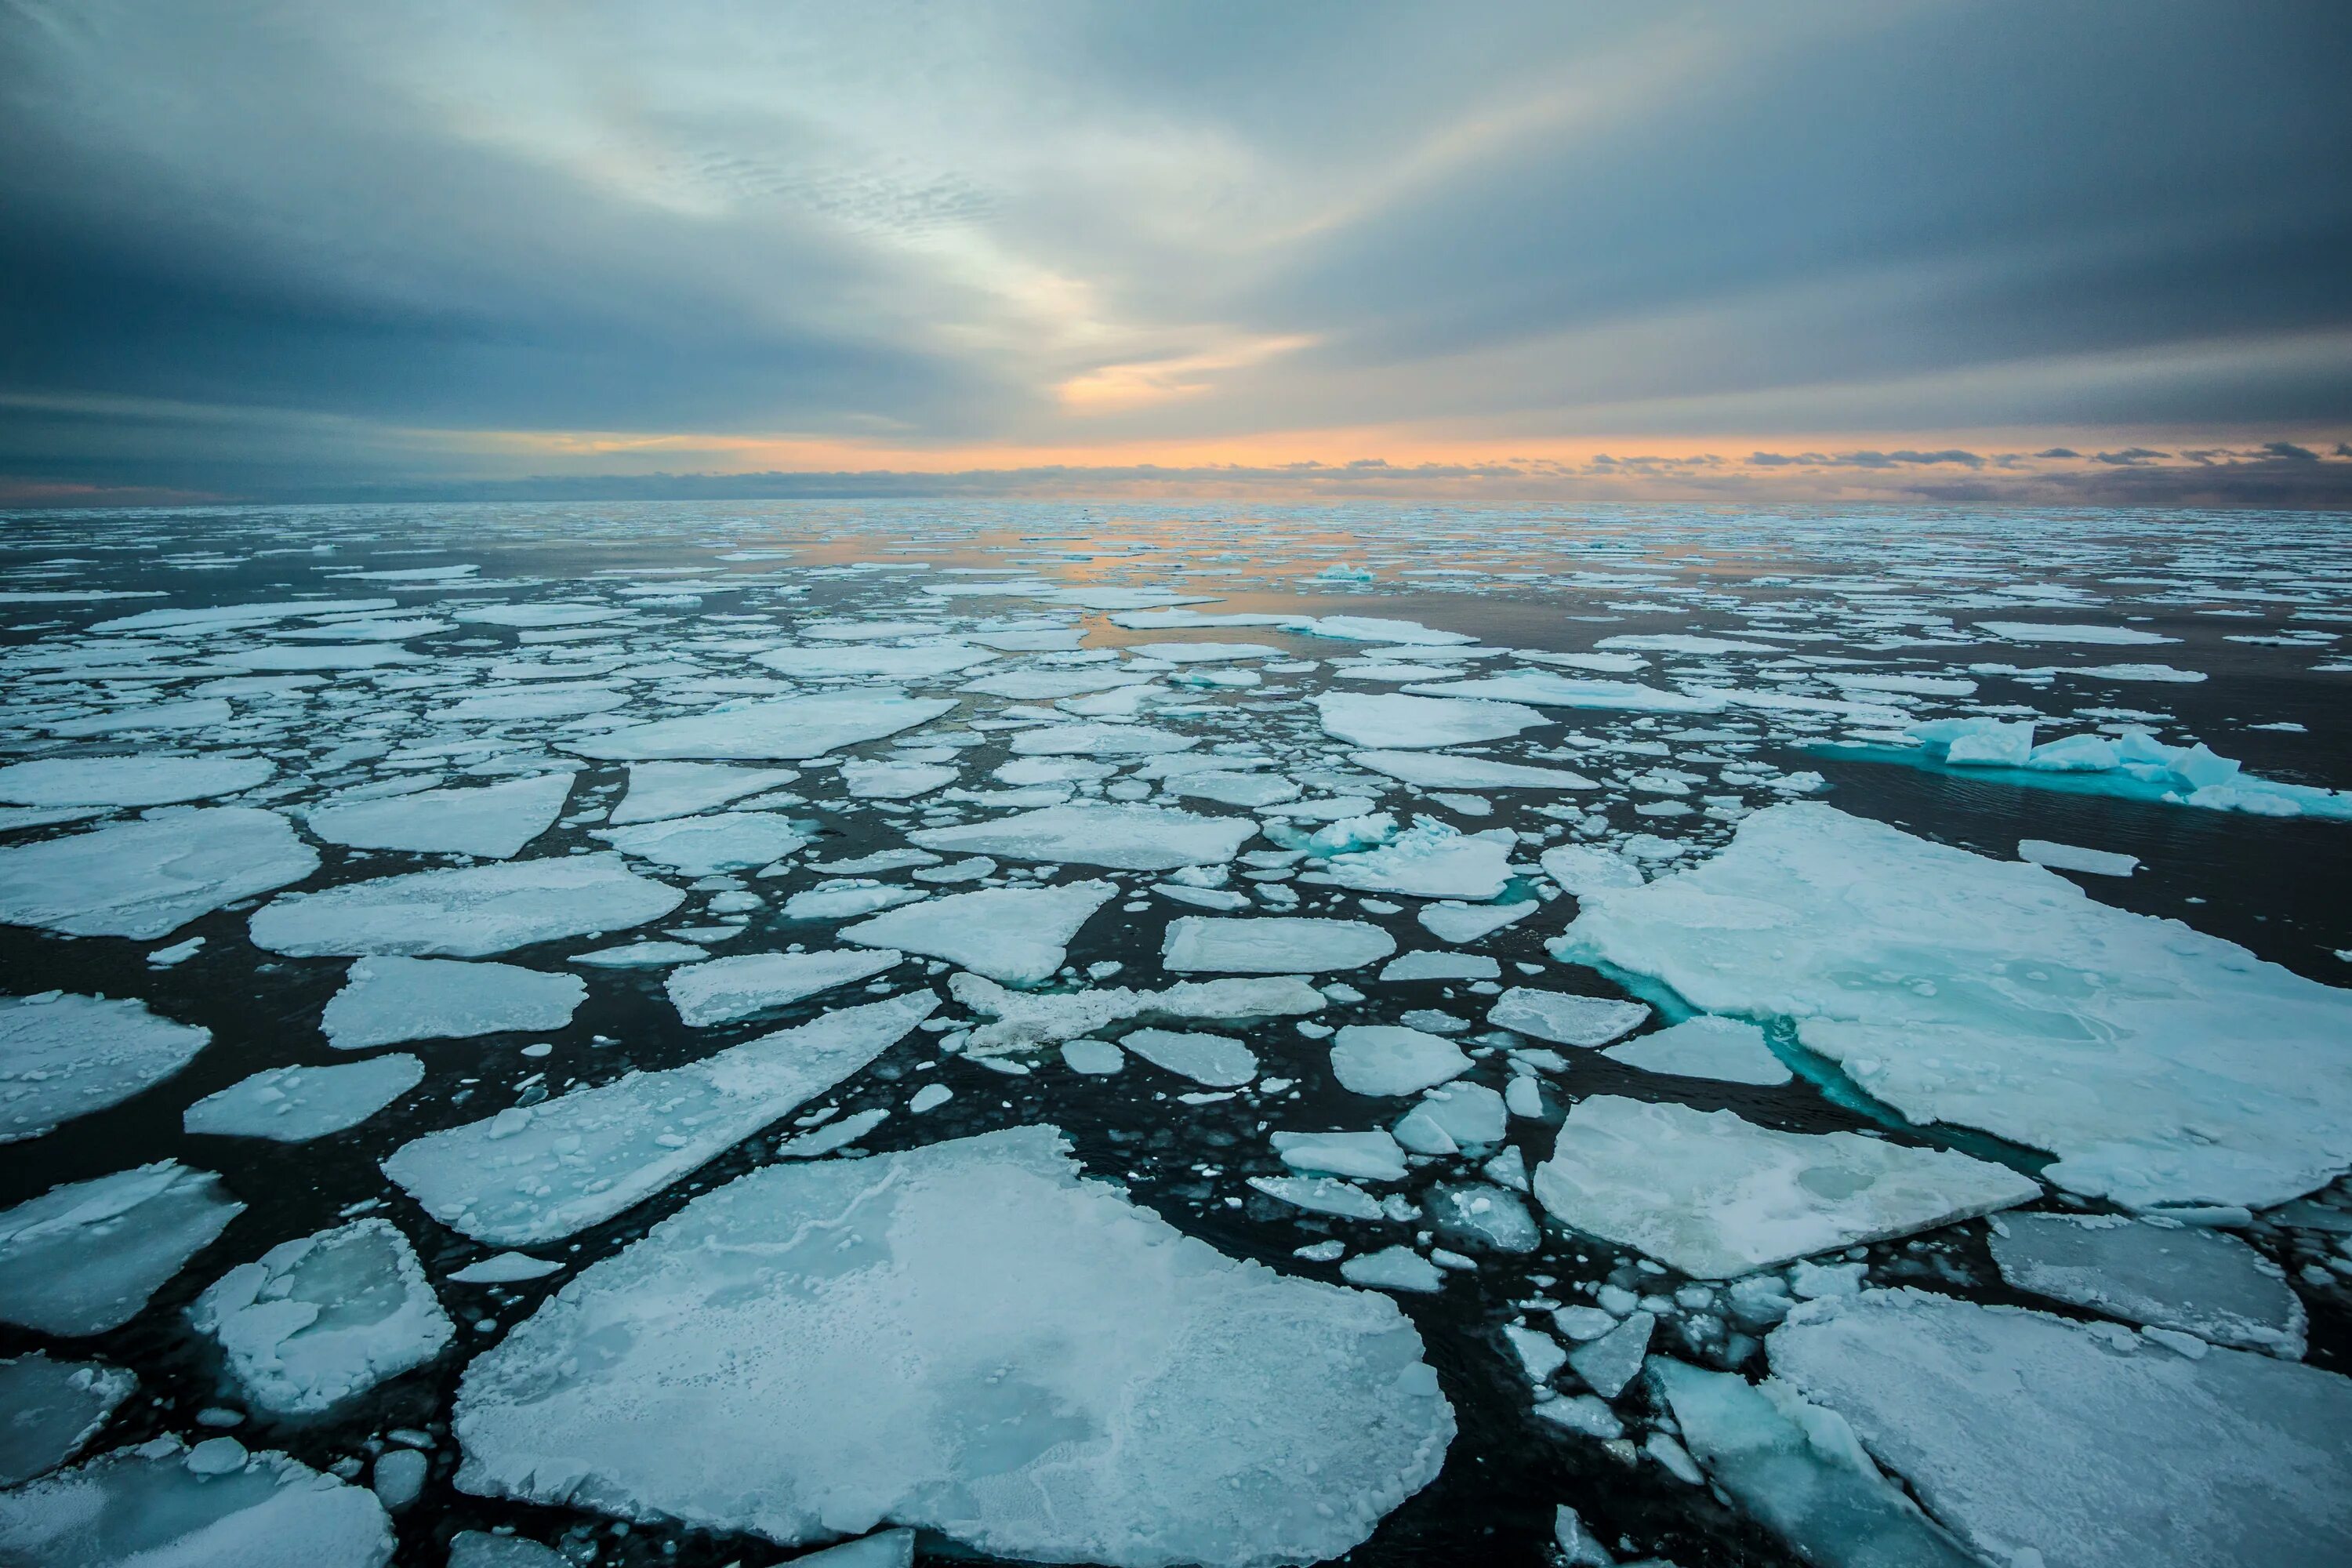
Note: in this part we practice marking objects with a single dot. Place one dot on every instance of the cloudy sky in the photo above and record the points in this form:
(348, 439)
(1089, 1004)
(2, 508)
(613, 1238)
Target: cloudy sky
(1810, 249)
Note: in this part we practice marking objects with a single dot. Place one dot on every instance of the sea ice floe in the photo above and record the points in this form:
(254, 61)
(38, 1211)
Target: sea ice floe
(2073, 857)
(1729, 1050)
(493, 821)
(968, 1337)
(1027, 1019)
(63, 1055)
(195, 713)
(147, 878)
(1387, 720)
(841, 898)
(1427, 965)
(1366, 1156)
(2202, 1282)
(294, 1105)
(1017, 935)
(1198, 944)
(1548, 690)
(1387, 1059)
(1716, 1196)
(705, 845)
(129, 781)
(84, 1258)
(479, 1549)
(1369, 628)
(1435, 770)
(2135, 767)
(641, 955)
(323, 1318)
(388, 1000)
(2162, 1067)
(726, 989)
(785, 728)
(1468, 922)
(1051, 685)
(1564, 1019)
(504, 1268)
(1214, 1061)
(53, 1408)
(921, 663)
(1394, 1269)
(1428, 860)
(2071, 631)
(1099, 741)
(1128, 837)
(537, 1174)
(895, 781)
(2036, 1438)
(467, 912)
(661, 790)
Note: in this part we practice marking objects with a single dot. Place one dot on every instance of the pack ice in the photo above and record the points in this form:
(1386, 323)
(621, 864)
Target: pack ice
(493, 821)
(465, 912)
(2161, 1065)
(786, 729)
(1127, 837)
(63, 1055)
(1716, 1196)
(388, 1000)
(149, 877)
(84, 1258)
(968, 1337)
(539, 1172)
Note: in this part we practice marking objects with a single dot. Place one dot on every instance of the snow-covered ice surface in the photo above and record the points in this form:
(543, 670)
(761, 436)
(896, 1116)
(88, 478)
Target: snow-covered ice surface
(1258, 849)
(968, 1337)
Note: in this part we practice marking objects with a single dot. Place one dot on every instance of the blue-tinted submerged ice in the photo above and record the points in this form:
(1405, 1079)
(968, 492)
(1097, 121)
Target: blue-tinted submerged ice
(64, 1056)
(968, 1337)
(85, 1258)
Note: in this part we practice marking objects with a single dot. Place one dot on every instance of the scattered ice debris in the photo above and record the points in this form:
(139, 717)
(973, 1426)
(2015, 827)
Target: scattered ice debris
(2072, 631)
(2070, 858)
(705, 845)
(1214, 1061)
(294, 1105)
(467, 912)
(493, 821)
(1271, 945)
(390, 1000)
(1389, 1059)
(786, 729)
(1027, 1019)
(1564, 1019)
(63, 1055)
(727, 989)
(940, 1338)
(130, 781)
(84, 1258)
(53, 1408)
(1716, 1196)
(1127, 837)
(1386, 719)
(147, 878)
(1017, 935)
(1433, 770)
(1729, 1050)
(1468, 922)
(2162, 1067)
(1428, 860)
(658, 791)
(1394, 1269)
(2032, 1437)
(325, 1318)
(163, 1505)
(537, 1174)
(504, 1268)
(2198, 1281)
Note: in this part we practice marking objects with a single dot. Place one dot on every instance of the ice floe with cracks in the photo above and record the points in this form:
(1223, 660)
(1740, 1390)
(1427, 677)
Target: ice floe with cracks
(1431, 860)
(2051, 631)
(2134, 767)
(493, 821)
(294, 1105)
(705, 845)
(727, 989)
(2035, 1439)
(970, 1338)
(1099, 741)
(1017, 935)
(1610, 1363)
(1385, 719)
(2073, 857)
(1023, 1020)
(63, 1055)
(1715, 1196)
(130, 781)
(1431, 770)
(1469, 922)
(925, 663)
(1322, 1195)
(785, 728)
(1563, 1019)
(1213, 1061)
(661, 790)
(1273, 945)
(147, 878)
(388, 1000)
(54, 1407)
(1389, 1059)
(467, 912)
(1367, 1156)
(1729, 1050)
(895, 781)
(1798, 1470)
(1127, 837)
(323, 1318)
(163, 1505)
(2187, 1279)
(536, 1174)
(1453, 1117)
(1548, 690)
(84, 1258)
(2161, 1065)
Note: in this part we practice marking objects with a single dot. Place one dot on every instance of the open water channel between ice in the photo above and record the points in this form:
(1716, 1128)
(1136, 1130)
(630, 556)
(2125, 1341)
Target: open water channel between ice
(1150, 1034)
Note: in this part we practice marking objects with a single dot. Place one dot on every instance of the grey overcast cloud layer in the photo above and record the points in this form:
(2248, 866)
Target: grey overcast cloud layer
(1941, 248)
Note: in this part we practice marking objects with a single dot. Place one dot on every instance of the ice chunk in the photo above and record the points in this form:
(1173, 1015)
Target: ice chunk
(64, 1056)
(493, 821)
(1469, 1114)
(1563, 1019)
(2161, 1065)
(1271, 945)
(1394, 1269)
(2198, 1281)
(1218, 1061)
(1476, 1212)
(389, 1000)
(84, 1258)
(705, 845)
(1433, 771)
(841, 899)
(1799, 1469)
(895, 781)
(1386, 719)
(53, 1408)
(1729, 1050)
(1024, 1020)
(2031, 1436)
(1430, 860)
(1099, 741)
(538, 1174)
(129, 781)
(726, 989)
(917, 664)
(161, 1505)
(479, 1549)
(968, 1337)
(1611, 1361)
(1250, 790)
(2046, 631)
(1716, 1196)
(1468, 922)
(467, 912)
(1130, 837)
(1096, 1058)
(786, 729)
(1442, 966)
(1581, 868)
(1548, 690)
(1386, 1058)
(1367, 628)
(149, 877)
(2070, 858)
(662, 789)
(323, 1318)
(504, 1268)
(294, 1105)
(641, 955)
(1017, 935)
(1367, 1156)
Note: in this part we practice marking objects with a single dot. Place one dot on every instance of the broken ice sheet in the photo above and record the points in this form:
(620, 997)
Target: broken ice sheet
(1017, 935)
(705, 845)
(1729, 1050)
(1197, 944)
(129, 781)
(727, 989)
(968, 1337)
(467, 911)
(660, 790)
(389, 1000)
(84, 1258)
(493, 821)
(147, 878)
(294, 1105)
(1127, 838)
(1428, 860)
(1386, 720)
(1023, 1020)
(786, 729)
(64, 1056)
